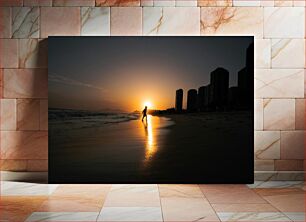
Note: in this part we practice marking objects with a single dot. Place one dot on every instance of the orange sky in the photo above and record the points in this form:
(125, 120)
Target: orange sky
(120, 74)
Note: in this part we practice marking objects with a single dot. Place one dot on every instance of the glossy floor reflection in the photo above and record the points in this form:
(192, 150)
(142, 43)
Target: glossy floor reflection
(263, 201)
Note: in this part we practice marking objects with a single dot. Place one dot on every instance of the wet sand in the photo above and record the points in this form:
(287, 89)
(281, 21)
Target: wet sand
(117, 152)
(189, 148)
(207, 148)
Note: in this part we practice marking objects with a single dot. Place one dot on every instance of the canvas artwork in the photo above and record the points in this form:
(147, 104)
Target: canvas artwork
(163, 109)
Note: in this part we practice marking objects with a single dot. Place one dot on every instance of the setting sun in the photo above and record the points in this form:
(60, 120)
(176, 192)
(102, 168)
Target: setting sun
(148, 104)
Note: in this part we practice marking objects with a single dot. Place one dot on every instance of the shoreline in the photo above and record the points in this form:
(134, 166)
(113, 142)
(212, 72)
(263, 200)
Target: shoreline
(169, 147)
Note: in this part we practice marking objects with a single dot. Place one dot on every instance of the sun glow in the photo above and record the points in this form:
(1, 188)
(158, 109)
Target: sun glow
(148, 104)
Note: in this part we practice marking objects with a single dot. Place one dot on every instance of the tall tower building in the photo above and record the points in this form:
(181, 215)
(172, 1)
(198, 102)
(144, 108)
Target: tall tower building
(245, 78)
(219, 80)
(201, 98)
(179, 100)
(192, 100)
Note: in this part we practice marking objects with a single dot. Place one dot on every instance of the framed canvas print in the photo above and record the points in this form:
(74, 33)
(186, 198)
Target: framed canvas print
(151, 109)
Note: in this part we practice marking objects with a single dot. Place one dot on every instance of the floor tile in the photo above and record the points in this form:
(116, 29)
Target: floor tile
(262, 207)
(276, 184)
(284, 199)
(71, 204)
(180, 190)
(133, 196)
(230, 194)
(18, 208)
(266, 192)
(9, 188)
(63, 216)
(268, 216)
(187, 209)
(82, 190)
(296, 216)
(130, 214)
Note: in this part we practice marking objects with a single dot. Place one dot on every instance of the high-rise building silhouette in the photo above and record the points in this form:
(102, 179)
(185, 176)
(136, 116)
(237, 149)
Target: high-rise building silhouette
(245, 78)
(179, 100)
(201, 98)
(250, 74)
(219, 80)
(250, 58)
(208, 95)
(192, 100)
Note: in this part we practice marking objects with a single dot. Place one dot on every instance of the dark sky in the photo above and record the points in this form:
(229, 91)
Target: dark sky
(107, 73)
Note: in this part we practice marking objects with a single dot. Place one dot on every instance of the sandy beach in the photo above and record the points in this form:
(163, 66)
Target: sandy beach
(171, 148)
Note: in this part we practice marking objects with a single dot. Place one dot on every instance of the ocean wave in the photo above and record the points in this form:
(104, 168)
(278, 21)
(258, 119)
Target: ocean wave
(84, 119)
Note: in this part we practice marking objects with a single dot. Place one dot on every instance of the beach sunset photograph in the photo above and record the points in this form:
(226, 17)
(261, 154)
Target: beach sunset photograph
(151, 109)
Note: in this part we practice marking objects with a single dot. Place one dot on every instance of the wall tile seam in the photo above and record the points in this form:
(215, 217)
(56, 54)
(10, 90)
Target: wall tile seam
(140, 5)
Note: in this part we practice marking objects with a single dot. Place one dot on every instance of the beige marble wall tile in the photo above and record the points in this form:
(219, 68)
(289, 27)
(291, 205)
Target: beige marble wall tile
(258, 114)
(5, 22)
(279, 114)
(28, 114)
(43, 114)
(264, 165)
(24, 144)
(126, 20)
(37, 165)
(171, 21)
(263, 53)
(146, 2)
(52, 16)
(5, 3)
(267, 145)
(232, 21)
(246, 3)
(37, 2)
(13, 165)
(267, 3)
(289, 165)
(221, 3)
(95, 21)
(162, 3)
(305, 82)
(270, 176)
(117, 2)
(25, 83)
(284, 22)
(300, 114)
(25, 22)
(73, 2)
(284, 50)
(292, 145)
(299, 3)
(8, 114)
(279, 83)
(1, 83)
(8, 53)
(33, 53)
(186, 3)
(283, 3)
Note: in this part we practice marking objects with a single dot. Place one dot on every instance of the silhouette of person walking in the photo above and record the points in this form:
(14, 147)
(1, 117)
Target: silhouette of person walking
(144, 114)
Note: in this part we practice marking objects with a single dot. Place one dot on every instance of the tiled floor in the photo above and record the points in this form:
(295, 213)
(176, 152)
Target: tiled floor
(262, 201)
